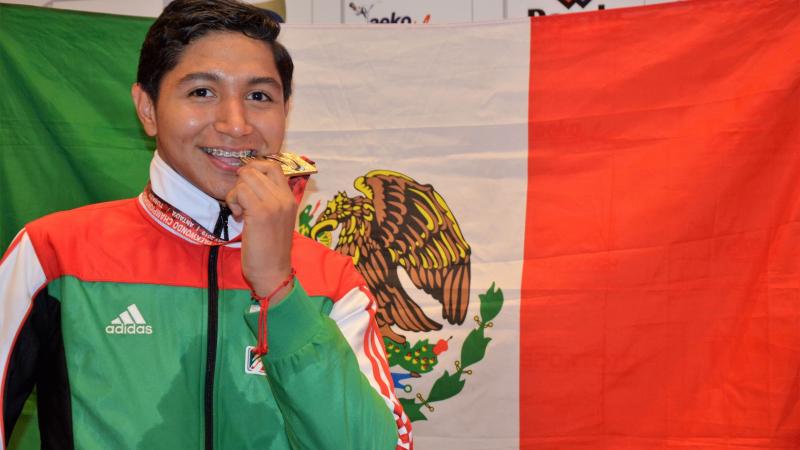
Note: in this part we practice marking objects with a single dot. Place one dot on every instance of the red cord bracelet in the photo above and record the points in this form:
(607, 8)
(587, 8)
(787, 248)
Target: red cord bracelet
(263, 304)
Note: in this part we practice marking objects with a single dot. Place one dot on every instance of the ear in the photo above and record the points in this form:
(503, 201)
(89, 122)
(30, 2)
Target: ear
(145, 109)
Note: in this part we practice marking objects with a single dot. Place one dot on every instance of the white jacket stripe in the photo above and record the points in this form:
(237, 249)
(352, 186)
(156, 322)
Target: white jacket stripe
(21, 277)
(349, 313)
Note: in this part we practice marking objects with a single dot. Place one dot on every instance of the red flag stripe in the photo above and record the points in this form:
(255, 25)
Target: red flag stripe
(659, 295)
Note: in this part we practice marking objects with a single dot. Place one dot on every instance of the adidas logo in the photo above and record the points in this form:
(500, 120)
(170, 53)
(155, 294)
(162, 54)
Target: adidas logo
(129, 322)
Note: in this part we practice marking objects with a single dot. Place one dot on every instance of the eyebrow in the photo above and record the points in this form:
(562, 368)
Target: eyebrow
(211, 76)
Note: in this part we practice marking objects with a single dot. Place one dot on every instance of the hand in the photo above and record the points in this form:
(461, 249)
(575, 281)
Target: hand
(261, 196)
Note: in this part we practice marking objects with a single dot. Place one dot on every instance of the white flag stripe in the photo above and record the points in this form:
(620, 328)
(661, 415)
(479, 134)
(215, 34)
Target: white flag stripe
(137, 316)
(446, 106)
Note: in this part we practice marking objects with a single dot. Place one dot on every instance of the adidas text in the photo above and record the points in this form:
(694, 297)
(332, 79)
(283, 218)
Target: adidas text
(129, 329)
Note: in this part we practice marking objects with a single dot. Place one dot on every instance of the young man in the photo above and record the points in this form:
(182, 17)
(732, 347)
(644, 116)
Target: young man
(141, 323)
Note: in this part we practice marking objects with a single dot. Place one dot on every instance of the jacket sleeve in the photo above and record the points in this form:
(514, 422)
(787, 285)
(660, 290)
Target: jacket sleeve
(329, 374)
(21, 279)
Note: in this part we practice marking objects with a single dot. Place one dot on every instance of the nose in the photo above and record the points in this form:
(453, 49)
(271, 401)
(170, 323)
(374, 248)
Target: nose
(232, 118)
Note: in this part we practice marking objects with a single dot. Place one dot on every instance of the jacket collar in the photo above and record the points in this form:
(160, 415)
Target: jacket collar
(183, 195)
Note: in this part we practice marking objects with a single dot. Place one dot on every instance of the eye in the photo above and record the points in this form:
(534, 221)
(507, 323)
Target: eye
(259, 96)
(201, 92)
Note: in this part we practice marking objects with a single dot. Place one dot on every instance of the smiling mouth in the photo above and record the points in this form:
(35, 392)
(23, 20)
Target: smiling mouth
(231, 158)
(218, 152)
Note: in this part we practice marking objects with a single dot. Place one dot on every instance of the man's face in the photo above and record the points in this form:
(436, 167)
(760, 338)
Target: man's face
(222, 101)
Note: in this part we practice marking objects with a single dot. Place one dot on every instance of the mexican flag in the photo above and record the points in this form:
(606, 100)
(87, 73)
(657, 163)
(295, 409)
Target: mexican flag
(590, 223)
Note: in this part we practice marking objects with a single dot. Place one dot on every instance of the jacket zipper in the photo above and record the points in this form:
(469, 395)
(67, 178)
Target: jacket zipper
(220, 230)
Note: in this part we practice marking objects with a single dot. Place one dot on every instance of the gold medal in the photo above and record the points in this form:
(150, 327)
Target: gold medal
(291, 164)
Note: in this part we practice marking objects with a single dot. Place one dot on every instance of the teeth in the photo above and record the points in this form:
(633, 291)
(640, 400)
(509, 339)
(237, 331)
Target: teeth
(227, 154)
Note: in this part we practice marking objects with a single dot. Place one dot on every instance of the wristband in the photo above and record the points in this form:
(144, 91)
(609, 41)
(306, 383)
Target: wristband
(262, 347)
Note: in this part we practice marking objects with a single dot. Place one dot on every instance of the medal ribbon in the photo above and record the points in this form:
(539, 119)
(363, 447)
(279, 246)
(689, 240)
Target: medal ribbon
(176, 220)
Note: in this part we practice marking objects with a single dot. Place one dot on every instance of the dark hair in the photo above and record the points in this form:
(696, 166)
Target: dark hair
(184, 21)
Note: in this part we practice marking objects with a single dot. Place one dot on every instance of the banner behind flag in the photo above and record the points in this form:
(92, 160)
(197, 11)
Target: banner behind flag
(621, 186)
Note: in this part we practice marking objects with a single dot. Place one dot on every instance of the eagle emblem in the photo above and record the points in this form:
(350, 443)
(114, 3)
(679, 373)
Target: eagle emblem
(400, 223)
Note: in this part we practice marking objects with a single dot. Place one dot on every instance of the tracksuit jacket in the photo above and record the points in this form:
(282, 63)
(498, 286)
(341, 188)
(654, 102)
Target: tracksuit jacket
(135, 337)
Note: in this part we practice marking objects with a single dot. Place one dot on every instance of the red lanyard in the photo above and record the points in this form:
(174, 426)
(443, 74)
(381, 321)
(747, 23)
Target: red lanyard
(176, 220)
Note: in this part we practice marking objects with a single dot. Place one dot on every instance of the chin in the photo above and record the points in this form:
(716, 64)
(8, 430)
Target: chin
(218, 195)
(217, 191)
(218, 188)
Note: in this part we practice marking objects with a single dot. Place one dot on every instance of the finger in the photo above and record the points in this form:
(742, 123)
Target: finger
(266, 187)
(263, 187)
(271, 168)
(252, 198)
(264, 166)
(246, 198)
(276, 174)
(232, 200)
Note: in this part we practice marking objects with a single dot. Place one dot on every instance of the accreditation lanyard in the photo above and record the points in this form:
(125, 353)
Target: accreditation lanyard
(178, 221)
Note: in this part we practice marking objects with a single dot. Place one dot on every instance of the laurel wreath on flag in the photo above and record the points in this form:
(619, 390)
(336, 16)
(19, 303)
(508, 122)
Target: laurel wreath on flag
(472, 351)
